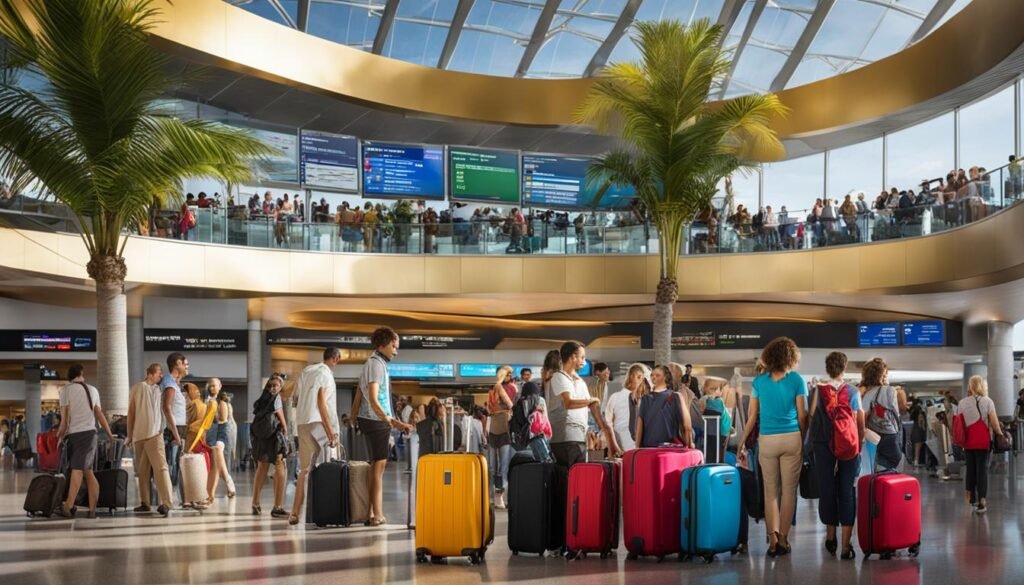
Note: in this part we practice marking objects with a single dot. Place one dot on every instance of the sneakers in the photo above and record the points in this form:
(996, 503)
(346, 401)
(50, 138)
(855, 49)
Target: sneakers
(142, 509)
(499, 500)
(163, 510)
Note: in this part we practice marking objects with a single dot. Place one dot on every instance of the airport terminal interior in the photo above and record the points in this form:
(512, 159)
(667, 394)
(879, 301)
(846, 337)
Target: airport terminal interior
(511, 291)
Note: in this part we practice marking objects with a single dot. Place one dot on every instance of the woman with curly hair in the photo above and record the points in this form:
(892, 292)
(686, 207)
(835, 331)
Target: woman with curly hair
(779, 404)
(882, 406)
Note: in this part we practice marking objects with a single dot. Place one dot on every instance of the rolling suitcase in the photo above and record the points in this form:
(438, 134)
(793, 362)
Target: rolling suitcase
(328, 503)
(592, 517)
(113, 489)
(45, 494)
(711, 506)
(888, 514)
(536, 506)
(193, 477)
(358, 492)
(453, 507)
(651, 488)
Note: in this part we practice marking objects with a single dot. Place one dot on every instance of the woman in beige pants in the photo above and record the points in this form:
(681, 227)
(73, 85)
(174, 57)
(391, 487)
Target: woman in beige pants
(779, 404)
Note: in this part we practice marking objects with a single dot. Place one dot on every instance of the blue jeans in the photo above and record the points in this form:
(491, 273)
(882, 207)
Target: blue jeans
(837, 503)
(502, 457)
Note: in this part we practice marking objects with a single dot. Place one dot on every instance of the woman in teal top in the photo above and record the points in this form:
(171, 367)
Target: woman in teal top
(779, 404)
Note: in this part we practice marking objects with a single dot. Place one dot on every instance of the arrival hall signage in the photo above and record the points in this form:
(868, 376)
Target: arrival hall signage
(350, 340)
(196, 340)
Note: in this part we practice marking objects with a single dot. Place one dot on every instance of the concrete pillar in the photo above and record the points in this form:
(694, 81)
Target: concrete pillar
(972, 369)
(33, 403)
(253, 372)
(1000, 367)
(136, 346)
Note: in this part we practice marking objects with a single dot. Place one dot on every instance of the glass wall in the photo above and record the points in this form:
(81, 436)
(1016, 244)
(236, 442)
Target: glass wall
(921, 152)
(856, 168)
(986, 131)
(794, 183)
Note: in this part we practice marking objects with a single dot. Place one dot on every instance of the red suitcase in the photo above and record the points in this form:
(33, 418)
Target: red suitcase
(888, 514)
(651, 493)
(592, 513)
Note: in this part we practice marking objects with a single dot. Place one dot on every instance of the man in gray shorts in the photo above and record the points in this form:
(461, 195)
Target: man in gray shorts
(316, 419)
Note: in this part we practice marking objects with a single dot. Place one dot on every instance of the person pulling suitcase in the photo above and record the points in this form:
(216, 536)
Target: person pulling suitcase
(79, 412)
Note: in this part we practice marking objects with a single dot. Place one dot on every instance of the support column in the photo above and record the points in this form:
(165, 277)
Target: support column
(33, 403)
(1000, 366)
(253, 369)
(136, 347)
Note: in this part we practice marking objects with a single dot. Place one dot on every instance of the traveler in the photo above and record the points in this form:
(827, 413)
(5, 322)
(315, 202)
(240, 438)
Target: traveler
(372, 404)
(195, 414)
(474, 432)
(837, 425)
(622, 406)
(269, 431)
(779, 404)
(316, 418)
(978, 408)
(660, 418)
(145, 436)
(532, 409)
(568, 401)
(598, 384)
(430, 429)
(691, 394)
(1020, 405)
(173, 404)
(688, 380)
(217, 439)
(882, 406)
(232, 428)
(79, 412)
(499, 407)
(919, 429)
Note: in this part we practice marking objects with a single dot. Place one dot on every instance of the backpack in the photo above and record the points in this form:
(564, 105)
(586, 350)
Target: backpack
(878, 414)
(264, 425)
(716, 407)
(520, 422)
(974, 437)
(844, 440)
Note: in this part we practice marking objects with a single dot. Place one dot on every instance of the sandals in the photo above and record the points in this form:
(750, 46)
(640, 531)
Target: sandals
(848, 554)
(256, 510)
(831, 546)
(293, 520)
(378, 521)
(773, 551)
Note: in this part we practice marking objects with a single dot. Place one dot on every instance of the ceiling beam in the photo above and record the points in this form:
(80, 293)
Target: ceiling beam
(303, 15)
(540, 31)
(755, 14)
(276, 4)
(386, 21)
(730, 12)
(622, 25)
(931, 20)
(800, 48)
(454, 31)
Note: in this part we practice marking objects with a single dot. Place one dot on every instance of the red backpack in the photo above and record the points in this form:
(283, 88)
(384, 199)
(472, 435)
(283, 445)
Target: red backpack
(845, 441)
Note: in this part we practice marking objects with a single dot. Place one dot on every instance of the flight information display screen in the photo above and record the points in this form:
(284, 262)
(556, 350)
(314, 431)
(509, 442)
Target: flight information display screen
(924, 333)
(490, 176)
(561, 181)
(400, 170)
(878, 334)
(420, 371)
(491, 370)
(329, 160)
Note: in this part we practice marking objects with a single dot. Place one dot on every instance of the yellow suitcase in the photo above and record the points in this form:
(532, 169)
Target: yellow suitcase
(453, 507)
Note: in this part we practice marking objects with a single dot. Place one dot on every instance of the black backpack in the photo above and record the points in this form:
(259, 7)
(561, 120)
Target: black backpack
(519, 423)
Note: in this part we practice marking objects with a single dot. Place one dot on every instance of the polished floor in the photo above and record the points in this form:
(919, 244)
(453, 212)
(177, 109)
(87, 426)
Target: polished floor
(227, 545)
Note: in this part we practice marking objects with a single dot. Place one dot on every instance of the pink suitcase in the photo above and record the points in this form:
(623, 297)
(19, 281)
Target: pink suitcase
(888, 514)
(592, 513)
(651, 492)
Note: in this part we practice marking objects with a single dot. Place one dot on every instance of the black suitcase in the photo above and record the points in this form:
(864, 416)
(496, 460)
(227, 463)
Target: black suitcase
(113, 489)
(753, 494)
(45, 494)
(328, 503)
(109, 454)
(536, 507)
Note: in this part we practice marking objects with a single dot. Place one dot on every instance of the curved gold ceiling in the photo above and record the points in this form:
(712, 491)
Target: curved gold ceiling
(970, 44)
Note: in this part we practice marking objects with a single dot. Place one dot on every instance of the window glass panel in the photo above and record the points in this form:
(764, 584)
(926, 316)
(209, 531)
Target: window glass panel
(434, 10)
(416, 43)
(755, 71)
(924, 151)
(745, 185)
(348, 25)
(492, 15)
(986, 131)
(794, 183)
(264, 9)
(685, 11)
(564, 55)
(892, 35)
(485, 53)
(855, 168)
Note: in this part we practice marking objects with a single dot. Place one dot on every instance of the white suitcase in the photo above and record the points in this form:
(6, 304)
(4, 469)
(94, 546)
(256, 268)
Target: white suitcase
(194, 475)
(359, 491)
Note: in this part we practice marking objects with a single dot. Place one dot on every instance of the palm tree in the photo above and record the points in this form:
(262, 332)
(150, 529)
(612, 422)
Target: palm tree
(675, 147)
(94, 137)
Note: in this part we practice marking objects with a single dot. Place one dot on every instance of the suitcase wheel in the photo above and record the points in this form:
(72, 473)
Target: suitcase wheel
(684, 557)
(914, 550)
(515, 553)
(421, 557)
(886, 556)
(606, 554)
(632, 557)
(708, 559)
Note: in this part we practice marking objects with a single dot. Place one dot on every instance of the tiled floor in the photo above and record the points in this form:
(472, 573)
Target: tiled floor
(227, 545)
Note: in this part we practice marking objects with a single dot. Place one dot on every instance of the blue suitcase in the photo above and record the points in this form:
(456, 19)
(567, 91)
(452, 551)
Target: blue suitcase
(710, 515)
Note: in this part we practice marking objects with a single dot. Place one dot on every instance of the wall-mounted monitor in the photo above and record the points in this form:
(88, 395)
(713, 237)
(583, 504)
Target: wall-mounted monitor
(404, 371)
(329, 161)
(924, 333)
(488, 176)
(551, 180)
(491, 370)
(58, 341)
(403, 171)
(282, 165)
(878, 334)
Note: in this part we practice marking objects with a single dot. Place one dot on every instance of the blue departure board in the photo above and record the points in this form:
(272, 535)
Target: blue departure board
(420, 371)
(561, 181)
(399, 170)
(878, 334)
(924, 333)
(329, 160)
(491, 370)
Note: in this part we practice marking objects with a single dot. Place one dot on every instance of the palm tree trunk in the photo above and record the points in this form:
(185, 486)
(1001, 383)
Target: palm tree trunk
(664, 308)
(111, 332)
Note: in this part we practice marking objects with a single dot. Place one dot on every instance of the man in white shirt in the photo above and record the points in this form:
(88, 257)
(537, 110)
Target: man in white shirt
(316, 418)
(145, 428)
(568, 403)
(173, 402)
(79, 412)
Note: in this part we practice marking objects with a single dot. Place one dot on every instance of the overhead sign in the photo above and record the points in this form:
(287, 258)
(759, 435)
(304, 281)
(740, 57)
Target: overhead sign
(196, 340)
(878, 334)
(55, 341)
(483, 175)
(399, 170)
(491, 370)
(924, 333)
(429, 371)
(349, 340)
(329, 160)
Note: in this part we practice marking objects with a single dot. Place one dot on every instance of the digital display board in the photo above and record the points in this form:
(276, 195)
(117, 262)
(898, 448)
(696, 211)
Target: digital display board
(420, 371)
(924, 333)
(196, 340)
(491, 176)
(398, 170)
(58, 341)
(491, 370)
(283, 164)
(561, 181)
(329, 160)
(878, 334)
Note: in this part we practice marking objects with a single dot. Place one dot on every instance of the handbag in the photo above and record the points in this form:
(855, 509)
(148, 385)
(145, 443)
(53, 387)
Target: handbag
(808, 480)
